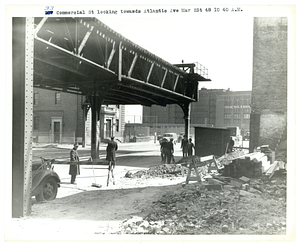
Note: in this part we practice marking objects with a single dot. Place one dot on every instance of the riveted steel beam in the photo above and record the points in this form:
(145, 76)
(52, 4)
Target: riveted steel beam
(111, 55)
(85, 39)
(23, 52)
(132, 65)
(150, 72)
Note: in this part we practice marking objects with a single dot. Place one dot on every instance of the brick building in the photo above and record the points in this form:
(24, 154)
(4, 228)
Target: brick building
(269, 85)
(215, 108)
(58, 117)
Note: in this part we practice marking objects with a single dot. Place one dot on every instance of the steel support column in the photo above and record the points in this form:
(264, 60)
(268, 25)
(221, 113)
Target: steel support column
(186, 111)
(96, 102)
(23, 36)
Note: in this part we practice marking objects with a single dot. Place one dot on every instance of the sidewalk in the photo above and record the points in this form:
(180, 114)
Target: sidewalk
(102, 145)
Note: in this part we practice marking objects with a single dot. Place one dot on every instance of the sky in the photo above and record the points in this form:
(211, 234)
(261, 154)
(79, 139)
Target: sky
(220, 40)
(216, 37)
(221, 44)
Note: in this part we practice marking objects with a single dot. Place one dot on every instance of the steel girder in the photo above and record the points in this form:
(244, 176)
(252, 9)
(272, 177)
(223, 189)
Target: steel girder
(84, 56)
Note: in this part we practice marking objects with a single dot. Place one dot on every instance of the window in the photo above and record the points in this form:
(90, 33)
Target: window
(227, 116)
(247, 109)
(36, 122)
(35, 98)
(57, 98)
(117, 125)
(227, 110)
(227, 121)
(236, 116)
(235, 100)
(236, 109)
(237, 121)
(246, 116)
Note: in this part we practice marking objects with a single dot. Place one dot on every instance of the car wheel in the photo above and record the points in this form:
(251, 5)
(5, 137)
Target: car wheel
(48, 191)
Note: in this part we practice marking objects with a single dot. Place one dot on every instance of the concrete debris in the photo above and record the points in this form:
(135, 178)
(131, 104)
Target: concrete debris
(194, 210)
(236, 200)
(164, 170)
(228, 157)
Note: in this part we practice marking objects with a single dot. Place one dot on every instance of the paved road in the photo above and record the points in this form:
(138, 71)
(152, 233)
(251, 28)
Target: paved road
(62, 152)
(130, 157)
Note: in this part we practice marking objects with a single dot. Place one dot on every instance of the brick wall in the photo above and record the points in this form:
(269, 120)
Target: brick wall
(269, 84)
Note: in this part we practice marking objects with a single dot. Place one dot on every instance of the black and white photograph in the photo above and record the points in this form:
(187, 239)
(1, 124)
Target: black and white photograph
(150, 122)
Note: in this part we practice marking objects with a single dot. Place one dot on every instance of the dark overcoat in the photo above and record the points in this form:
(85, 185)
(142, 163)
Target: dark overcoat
(74, 169)
(111, 149)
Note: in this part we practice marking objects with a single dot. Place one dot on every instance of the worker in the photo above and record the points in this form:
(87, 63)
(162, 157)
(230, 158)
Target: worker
(190, 147)
(184, 143)
(230, 145)
(163, 150)
(169, 151)
(111, 149)
(74, 169)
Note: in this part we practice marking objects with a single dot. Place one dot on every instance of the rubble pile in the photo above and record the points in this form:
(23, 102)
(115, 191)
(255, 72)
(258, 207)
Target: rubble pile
(194, 210)
(227, 158)
(163, 171)
(247, 195)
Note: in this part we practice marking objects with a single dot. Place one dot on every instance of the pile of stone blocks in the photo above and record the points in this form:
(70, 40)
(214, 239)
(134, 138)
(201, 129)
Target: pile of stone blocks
(250, 165)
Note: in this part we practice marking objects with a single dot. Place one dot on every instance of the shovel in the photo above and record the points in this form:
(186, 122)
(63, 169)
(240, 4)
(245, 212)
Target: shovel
(95, 184)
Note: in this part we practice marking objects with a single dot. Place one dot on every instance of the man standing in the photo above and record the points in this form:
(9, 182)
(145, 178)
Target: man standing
(74, 169)
(184, 143)
(111, 149)
(230, 145)
(170, 151)
(190, 147)
(163, 150)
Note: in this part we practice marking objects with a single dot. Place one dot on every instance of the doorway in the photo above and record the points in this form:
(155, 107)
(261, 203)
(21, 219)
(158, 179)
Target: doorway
(56, 132)
(108, 128)
(56, 128)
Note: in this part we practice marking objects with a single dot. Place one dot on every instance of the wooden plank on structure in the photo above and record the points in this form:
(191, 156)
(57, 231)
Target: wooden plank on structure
(270, 172)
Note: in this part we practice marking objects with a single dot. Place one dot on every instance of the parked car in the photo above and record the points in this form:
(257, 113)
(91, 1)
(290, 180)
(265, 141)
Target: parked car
(45, 181)
(168, 136)
(180, 137)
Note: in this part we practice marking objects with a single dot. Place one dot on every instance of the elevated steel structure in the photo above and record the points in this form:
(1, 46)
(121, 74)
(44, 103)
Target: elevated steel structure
(84, 56)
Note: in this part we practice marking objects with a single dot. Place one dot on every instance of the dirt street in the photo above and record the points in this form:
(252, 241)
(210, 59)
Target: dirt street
(150, 205)
(81, 211)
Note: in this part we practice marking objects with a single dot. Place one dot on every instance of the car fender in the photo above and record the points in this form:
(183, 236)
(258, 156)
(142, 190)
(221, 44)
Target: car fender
(40, 177)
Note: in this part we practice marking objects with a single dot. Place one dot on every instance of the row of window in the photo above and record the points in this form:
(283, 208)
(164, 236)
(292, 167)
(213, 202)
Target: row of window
(238, 97)
(230, 122)
(236, 116)
(57, 98)
(238, 110)
(36, 123)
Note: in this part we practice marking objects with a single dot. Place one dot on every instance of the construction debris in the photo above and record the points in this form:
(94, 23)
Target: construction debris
(194, 210)
(163, 171)
(234, 200)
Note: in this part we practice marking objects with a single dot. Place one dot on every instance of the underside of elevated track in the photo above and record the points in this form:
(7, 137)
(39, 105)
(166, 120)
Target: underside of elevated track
(84, 56)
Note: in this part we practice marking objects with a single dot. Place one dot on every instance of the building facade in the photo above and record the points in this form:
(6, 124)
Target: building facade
(215, 108)
(59, 117)
(269, 84)
(233, 109)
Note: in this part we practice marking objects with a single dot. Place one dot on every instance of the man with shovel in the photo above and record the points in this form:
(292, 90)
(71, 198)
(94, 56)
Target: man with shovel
(74, 169)
(111, 149)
